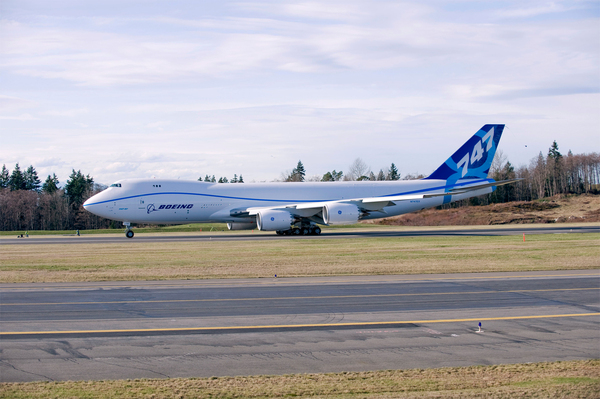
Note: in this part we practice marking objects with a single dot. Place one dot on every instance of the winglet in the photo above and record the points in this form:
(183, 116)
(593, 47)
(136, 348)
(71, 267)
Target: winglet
(474, 159)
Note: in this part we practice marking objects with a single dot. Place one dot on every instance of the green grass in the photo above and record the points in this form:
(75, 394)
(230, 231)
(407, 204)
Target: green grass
(184, 228)
(139, 260)
(580, 379)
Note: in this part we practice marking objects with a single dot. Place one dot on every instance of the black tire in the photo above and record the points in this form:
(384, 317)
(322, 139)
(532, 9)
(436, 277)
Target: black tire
(129, 234)
(296, 232)
(305, 231)
(317, 230)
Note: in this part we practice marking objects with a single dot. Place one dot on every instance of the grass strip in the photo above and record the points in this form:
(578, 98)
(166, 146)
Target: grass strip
(290, 258)
(578, 379)
(222, 227)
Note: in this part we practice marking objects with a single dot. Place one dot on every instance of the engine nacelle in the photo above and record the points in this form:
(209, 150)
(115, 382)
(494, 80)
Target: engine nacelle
(340, 213)
(272, 219)
(241, 226)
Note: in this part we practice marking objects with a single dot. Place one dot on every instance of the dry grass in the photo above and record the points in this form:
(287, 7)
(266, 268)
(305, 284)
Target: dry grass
(199, 260)
(559, 209)
(573, 379)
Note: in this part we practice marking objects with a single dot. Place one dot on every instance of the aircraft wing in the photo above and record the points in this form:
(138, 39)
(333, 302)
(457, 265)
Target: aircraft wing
(373, 204)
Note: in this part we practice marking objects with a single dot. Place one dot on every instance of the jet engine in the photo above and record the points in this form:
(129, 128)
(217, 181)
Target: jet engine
(241, 226)
(340, 213)
(273, 219)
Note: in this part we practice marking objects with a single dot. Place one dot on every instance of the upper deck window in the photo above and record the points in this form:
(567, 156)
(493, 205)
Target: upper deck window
(116, 185)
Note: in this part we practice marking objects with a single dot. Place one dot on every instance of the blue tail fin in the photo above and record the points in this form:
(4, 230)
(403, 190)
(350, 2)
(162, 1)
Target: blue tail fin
(474, 159)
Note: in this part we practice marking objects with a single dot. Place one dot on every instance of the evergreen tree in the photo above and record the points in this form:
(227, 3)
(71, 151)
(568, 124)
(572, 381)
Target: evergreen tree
(200, 178)
(380, 175)
(207, 178)
(51, 184)
(555, 170)
(333, 176)
(77, 186)
(241, 179)
(553, 152)
(16, 181)
(235, 179)
(4, 177)
(297, 173)
(393, 175)
(212, 179)
(32, 181)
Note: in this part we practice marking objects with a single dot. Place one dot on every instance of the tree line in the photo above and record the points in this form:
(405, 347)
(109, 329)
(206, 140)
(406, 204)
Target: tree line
(545, 176)
(28, 204)
(359, 171)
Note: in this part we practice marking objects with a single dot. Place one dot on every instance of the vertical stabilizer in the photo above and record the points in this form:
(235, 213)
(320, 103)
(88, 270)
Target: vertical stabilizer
(474, 159)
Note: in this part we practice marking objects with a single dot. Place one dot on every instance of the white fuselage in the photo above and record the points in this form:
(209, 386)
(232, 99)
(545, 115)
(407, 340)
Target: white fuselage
(179, 202)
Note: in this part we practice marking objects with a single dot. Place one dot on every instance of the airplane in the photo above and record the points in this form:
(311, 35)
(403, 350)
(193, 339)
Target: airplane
(299, 208)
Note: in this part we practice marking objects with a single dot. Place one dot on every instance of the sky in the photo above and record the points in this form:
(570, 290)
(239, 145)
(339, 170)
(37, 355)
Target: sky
(181, 89)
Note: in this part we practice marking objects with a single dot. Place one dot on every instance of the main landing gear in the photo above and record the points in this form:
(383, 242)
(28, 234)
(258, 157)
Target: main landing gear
(128, 231)
(311, 230)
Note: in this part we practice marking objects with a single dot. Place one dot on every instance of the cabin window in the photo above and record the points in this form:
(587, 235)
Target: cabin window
(116, 185)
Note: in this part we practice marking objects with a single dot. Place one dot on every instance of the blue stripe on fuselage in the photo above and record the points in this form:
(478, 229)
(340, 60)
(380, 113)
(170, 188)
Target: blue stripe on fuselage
(445, 187)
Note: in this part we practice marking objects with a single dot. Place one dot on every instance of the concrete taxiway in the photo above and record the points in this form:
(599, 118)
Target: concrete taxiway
(116, 330)
(331, 234)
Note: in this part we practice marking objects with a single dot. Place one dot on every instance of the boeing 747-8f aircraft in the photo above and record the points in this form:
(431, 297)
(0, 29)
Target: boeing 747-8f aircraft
(298, 208)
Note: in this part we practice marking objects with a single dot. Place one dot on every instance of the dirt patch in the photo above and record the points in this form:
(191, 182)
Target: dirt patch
(559, 209)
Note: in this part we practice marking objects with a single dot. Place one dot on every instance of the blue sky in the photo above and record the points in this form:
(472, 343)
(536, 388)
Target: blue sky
(180, 89)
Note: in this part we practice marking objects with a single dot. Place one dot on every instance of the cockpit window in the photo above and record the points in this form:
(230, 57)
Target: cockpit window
(116, 185)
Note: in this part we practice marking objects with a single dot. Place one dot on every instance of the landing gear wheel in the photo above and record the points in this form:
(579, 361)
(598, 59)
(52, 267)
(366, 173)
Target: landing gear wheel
(305, 231)
(317, 230)
(279, 232)
(129, 234)
(296, 232)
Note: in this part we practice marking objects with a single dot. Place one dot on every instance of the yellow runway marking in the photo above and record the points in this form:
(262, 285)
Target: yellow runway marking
(288, 280)
(296, 297)
(288, 326)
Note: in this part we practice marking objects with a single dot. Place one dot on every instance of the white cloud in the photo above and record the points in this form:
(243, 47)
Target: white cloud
(21, 117)
(253, 87)
(545, 8)
(159, 125)
(66, 112)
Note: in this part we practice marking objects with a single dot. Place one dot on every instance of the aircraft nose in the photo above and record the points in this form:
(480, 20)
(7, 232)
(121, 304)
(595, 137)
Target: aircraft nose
(89, 201)
(92, 200)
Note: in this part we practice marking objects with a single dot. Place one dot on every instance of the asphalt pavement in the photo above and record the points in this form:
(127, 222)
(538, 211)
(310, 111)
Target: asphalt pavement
(115, 330)
(329, 234)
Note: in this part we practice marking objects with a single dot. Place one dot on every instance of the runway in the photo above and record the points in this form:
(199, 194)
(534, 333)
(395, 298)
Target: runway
(331, 234)
(116, 330)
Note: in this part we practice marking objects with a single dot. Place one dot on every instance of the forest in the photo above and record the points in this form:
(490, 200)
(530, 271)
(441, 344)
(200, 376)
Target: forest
(28, 204)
